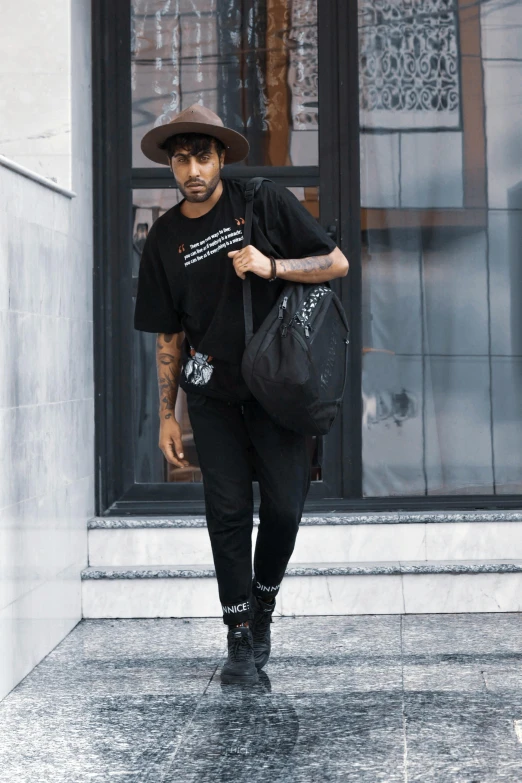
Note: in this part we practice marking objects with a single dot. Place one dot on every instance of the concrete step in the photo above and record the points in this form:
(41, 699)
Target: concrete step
(386, 587)
(329, 538)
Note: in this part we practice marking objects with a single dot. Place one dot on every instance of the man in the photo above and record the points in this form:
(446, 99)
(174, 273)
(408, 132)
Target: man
(190, 294)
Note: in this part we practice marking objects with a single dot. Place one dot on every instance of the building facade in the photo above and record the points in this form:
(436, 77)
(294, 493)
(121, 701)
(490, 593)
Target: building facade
(397, 124)
(46, 314)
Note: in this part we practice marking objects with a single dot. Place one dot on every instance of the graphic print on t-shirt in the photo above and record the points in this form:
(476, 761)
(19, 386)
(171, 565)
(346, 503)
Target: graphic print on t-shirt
(198, 369)
(211, 245)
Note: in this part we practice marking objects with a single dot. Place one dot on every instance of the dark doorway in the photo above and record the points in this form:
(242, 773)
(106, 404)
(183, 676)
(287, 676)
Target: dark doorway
(271, 69)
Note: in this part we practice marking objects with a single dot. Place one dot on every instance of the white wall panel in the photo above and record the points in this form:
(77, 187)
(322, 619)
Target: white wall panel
(46, 354)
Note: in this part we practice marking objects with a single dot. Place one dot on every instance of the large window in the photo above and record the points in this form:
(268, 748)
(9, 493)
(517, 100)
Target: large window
(397, 124)
(254, 63)
(441, 182)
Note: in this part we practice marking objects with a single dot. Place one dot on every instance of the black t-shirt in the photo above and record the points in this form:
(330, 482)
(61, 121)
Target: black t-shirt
(188, 283)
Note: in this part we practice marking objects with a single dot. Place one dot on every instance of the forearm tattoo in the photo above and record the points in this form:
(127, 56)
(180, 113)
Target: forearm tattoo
(309, 264)
(169, 368)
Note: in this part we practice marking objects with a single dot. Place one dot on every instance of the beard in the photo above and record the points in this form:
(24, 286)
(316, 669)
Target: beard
(205, 193)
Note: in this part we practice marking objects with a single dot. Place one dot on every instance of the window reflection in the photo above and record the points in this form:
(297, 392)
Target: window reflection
(441, 186)
(255, 67)
(148, 206)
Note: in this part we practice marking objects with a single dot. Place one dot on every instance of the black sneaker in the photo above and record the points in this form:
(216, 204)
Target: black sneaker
(240, 667)
(262, 617)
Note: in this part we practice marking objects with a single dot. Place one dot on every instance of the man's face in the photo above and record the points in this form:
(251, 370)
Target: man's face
(197, 175)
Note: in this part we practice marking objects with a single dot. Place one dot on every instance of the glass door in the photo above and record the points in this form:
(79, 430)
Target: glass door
(395, 124)
(256, 64)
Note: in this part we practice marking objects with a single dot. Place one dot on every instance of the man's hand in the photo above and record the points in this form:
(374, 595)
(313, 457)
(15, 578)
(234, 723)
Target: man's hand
(171, 444)
(312, 269)
(248, 259)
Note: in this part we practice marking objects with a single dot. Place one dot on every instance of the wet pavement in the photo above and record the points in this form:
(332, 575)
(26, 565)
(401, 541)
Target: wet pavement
(368, 698)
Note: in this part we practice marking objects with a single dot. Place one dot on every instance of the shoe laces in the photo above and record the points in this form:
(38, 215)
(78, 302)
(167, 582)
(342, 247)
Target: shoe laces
(241, 647)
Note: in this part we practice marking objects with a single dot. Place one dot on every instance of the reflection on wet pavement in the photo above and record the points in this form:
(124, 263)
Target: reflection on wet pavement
(418, 698)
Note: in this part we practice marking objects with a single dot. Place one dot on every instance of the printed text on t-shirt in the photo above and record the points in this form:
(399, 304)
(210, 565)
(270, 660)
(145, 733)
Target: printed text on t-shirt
(212, 244)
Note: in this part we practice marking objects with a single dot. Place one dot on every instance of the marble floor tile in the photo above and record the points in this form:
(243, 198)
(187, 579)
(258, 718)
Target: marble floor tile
(461, 738)
(357, 654)
(503, 676)
(462, 633)
(266, 736)
(366, 699)
(462, 694)
(57, 739)
(463, 653)
(125, 657)
(367, 636)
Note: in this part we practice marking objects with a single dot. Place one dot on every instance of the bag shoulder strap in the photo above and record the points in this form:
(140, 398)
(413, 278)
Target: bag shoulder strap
(251, 189)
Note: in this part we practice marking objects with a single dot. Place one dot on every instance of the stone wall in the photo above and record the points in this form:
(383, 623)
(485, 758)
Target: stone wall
(46, 375)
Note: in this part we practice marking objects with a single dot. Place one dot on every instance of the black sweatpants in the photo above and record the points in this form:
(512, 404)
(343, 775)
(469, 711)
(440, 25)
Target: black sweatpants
(231, 441)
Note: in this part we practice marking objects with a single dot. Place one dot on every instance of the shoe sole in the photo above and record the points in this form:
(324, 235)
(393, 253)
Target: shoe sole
(245, 679)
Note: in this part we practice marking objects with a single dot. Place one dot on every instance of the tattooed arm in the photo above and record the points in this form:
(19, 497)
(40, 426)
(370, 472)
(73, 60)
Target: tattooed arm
(313, 269)
(168, 362)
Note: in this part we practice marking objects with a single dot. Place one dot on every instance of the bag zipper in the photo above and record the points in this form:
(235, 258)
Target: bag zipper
(282, 307)
(304, 315)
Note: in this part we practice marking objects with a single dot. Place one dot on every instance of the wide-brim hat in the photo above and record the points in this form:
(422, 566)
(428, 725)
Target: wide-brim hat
(195, 119)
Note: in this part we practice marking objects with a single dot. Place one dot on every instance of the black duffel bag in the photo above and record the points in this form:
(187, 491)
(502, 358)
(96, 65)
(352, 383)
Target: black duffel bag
(295, 365)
